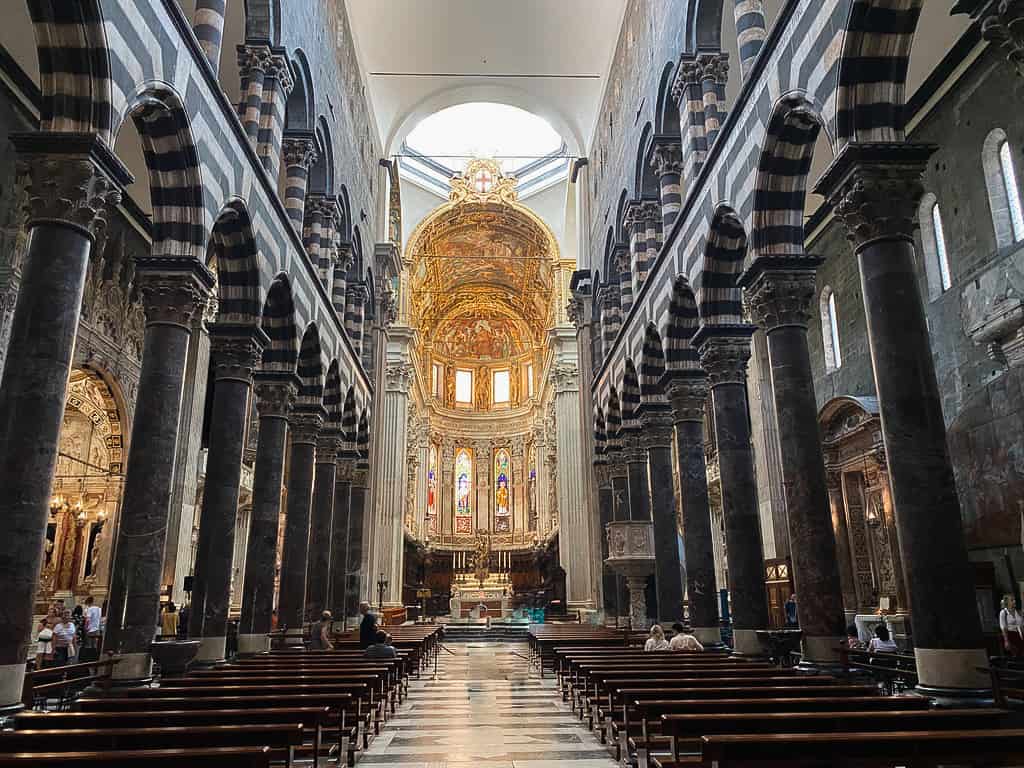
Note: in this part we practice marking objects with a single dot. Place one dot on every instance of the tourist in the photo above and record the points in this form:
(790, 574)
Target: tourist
(683, 640)
(367, 626)
(656, 641)
(169, 621)
(93, 620)
(381, 647)
(853, 637)
(1011, 624)
(792, 621)
(881, 643)
(320, 633)
(44, 644)
(64, 640)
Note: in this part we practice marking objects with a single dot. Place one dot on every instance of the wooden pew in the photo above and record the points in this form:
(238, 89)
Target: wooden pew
(212, 757)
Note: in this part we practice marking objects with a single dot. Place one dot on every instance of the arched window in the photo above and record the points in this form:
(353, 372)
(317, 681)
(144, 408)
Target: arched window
(1003, 189)
(432, 490)
(502, 491)
(830, 330)
(463, 491)
(936, 253)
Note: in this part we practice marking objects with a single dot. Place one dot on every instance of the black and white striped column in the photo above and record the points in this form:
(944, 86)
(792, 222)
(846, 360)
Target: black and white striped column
(298, 148)
(277, 84)
(354, 313)
(208, 24)
(635, 227)
(713, 76)
(751, 30)
(253, 62)
(322, 213)
(611, 317)
(667, 161)
(650, 214)
(622, 259)
(339, 286)
(686, 90)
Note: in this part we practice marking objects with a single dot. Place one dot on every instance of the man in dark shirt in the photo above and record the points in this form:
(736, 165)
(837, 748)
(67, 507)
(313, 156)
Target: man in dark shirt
(367, 627)
(381, 647)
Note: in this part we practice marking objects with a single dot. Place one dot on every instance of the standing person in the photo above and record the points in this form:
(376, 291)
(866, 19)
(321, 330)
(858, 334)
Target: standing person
(683, 640)
(183, 615)
(792, 619)
(64, 640)
(169, 620)
(93, 631)
(656, 641)
(1011, 624)
(320, 633)
(44, 644)
(367, 626)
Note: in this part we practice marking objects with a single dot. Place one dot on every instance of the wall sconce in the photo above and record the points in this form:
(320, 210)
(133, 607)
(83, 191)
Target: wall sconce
(873, 514)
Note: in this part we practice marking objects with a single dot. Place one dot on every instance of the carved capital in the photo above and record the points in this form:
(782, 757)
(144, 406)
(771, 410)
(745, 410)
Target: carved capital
(278, 69)
(326, 208)
(687, 73)
(397, 377)
(328, 445)
(667, 157)
(602, 473)
(357, 293)
(633, 449)
(346, 469)
(577, 311)
(780, 292)
(235, 350)
(714, 66)
(254, 59)
(688, 394)
(565, 377)
(725, 356)
(1005, 26)
(346, 258)
(299, 150)
(359, 476)
(833, 480)
(306, 425)
(275, 397)
(173, 289)
(657, 426)
(610, 298)
(875, 189)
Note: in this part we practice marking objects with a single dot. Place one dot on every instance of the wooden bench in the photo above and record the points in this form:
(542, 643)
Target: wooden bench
(65, 679)
(213, 757)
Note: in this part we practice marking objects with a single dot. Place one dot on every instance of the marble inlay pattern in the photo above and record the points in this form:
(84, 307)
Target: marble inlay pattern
(485, 709)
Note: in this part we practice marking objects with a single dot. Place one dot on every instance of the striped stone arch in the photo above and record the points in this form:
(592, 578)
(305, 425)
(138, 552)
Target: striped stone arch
(333, 398)
(613, 421)
(74, 65)
(666, 111)
(873, 70)
(232, 256)
(310, 370)
(278, 322)
(780, 187)
(349, 419)
(600, 432)
(719, 299)
(175, 178)
(652, 366)
(363, 436)
(631, 396)
(683, 321)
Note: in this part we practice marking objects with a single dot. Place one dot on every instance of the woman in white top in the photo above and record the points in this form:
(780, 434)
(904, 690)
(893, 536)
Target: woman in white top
(44, 644)
(657, 641)
(684, 641)
(881, 643)
(1011, 624)
(64, 640)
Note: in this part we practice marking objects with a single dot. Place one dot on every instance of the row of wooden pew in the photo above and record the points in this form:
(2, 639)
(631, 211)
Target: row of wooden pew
(269, 709)
(709, 709)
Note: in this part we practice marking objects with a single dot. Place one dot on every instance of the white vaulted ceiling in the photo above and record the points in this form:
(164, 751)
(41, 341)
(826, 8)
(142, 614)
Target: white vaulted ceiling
(549, 57)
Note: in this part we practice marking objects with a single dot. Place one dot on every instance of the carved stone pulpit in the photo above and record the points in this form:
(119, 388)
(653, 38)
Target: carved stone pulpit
(631, 553)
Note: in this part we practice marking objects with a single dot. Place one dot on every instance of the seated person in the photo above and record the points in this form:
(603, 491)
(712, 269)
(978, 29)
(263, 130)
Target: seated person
(853, 638)
(656, 641)
(381, 648)
(881, 643)
(683, 640)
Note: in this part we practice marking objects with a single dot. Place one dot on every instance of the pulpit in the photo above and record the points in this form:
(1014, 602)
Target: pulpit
(631, 553)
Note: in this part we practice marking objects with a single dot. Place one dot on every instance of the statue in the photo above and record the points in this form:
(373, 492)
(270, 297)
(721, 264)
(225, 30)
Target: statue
(483, 390)
(449, 388)
(482, 556)
(513, 386)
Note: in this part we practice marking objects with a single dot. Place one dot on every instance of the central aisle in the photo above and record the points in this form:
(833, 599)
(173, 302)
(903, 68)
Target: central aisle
(485, 709)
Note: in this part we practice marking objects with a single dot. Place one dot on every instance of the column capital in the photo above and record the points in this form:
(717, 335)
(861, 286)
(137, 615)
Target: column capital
(780, 291)
(724, 352)
(687, 73)
(577, 311)
(71, 179)
(357, 293)
(275, 394)
(714, 66)
(610, 299)
(279, 69)
(833, 479)
(346, 469)
(1005, 25)
(657, 423)
(633, 449)
(602, 472)
(328, 444)
(565, 378)
(235, 350)
(359, 476)
(306, 425)
(299, 149)
(687, 393)
(346, 256)
(622, 257)
(875, 189)
(634, 215)
(397, 377)
(254, 57)
(666, 156)
(616, 464)
(173, 289)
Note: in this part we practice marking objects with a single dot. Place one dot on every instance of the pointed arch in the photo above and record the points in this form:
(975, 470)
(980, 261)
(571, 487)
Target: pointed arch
(363, 435)
(631, 397)
(349, 419)
(332, 398)
(345, 227)
(718, 296)
(613, 422)
(645, 183)
(780, 189)
(278, 322)
(621, 236)
(310, 370)
(321, 173)
(600, 432)
(232, 255)
(652, 366)
(703, 26)
(299, 109)
(666, 116)
(683, 321)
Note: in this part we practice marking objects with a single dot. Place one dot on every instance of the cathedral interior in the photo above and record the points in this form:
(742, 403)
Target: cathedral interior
(513, 322)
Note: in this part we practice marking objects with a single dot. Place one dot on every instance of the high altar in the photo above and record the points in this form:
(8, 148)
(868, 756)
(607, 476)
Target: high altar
(479, 593)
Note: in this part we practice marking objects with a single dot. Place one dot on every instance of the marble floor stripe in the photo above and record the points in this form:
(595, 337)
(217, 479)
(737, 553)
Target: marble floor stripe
(485, 709)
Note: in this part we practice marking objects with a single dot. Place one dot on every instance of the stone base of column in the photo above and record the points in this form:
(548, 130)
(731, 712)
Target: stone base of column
(133, 669)
(950, 676)
(638, 602)
(211, 651)
(821, 655)
(293, 638)
(250, 645)
(710, 638)
(12, 679)
(747, 645)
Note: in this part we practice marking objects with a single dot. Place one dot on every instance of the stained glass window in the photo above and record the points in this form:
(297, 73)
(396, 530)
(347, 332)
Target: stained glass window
(502, 492)
(463, 491)
(432, 490)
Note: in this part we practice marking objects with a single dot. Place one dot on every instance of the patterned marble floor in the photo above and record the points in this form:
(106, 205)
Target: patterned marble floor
(485, 709)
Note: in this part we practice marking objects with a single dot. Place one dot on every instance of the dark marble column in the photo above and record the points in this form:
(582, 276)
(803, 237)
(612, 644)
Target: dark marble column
(71, 188)
(275, 398)
(875, 190)
(781, 292)
(354, 558)
(339, 538)
(173, 290)
(656, 419)
(318, 569)
(235, 352)
(305, 428)
(606, 503)
(688, 392)
(724, 352)
(619, 478)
